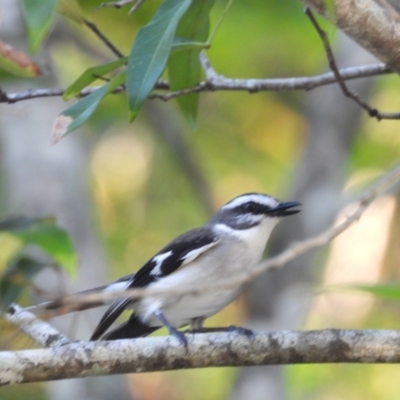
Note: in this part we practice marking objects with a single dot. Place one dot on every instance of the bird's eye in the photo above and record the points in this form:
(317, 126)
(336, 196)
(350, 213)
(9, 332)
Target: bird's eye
(249, 207)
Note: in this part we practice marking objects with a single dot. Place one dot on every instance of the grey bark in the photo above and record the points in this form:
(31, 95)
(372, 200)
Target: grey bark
(82, 359)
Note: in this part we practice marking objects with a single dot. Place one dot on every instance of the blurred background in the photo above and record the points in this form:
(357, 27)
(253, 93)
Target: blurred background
(124, 190)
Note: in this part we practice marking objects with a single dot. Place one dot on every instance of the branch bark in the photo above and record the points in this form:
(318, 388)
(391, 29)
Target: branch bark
(81, 359)
(41, 332)
(219, 82)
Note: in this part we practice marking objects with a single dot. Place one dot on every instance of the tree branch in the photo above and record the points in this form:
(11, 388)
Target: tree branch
(372, 112)
(41, 332)
(120, 4)
(80, 359)
(367, 22)
(219, 83)
(93, 27)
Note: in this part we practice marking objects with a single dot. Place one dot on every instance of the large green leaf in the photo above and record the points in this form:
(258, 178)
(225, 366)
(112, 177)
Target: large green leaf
(38, 18)
(76, 115)
(16, 278)
(44, 233)
(184, 66)
(150, 52)
(90, 75)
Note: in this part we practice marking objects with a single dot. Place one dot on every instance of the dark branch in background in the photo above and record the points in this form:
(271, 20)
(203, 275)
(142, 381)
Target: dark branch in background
(80, 359)
(166, 124)
(373, 112)
(93, 27)
(222, 83)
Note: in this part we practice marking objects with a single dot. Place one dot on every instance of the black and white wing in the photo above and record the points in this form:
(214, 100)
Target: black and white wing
(178, 253)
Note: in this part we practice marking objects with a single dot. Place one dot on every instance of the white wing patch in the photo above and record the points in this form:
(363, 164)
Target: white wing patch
(192, 255)
(256, 198)
(159, 261)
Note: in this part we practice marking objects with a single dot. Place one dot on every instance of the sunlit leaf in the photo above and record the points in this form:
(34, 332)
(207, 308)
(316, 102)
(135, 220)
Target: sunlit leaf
(150, 52)
(44, 233)
(38, 17)
(90, 75)
(184, 66)
(17, 63)
(16, 278)
(70, 9)
(76, 115)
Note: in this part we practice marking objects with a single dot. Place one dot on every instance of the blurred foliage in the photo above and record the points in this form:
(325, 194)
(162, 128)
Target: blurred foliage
(244, 142)
(18, 269)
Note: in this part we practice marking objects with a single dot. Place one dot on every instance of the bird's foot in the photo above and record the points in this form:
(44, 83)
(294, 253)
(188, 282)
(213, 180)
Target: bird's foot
(179, 335)
(242, 331)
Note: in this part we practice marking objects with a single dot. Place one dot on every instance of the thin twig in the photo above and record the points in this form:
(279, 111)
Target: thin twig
(93, 27)
(222, 83)
(372, 112)
(84, 301)
(136, 6)
(41, 332)
(116, 4)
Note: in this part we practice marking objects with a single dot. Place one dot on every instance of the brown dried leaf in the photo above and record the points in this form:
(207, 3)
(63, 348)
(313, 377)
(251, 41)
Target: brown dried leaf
(60, 127)
(17, 62)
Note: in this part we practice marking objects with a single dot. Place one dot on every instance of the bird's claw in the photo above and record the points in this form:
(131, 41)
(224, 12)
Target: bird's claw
(242, 331)
(180, 336)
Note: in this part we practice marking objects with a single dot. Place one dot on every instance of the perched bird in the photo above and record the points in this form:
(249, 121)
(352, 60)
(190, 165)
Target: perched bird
(228, 245)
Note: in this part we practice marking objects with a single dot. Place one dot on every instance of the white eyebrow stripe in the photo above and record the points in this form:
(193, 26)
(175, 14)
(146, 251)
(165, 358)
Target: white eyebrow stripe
(256, 198)
(223, 228)
(159, 261)
(192, 255)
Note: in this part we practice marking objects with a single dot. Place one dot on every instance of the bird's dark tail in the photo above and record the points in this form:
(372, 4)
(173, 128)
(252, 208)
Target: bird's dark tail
(67, 304)
(132, 328)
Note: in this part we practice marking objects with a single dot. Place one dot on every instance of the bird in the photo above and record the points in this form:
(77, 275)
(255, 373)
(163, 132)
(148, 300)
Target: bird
(229, 245)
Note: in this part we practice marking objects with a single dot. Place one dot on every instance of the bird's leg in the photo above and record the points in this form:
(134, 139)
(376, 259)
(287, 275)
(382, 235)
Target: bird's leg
(196, 325)
(172, 330)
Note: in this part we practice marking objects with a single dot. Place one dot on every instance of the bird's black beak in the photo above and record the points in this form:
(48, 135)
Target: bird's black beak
(285, 209)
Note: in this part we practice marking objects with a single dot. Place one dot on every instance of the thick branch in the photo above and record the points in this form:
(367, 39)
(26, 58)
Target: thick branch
(367, 22)
(80, 359)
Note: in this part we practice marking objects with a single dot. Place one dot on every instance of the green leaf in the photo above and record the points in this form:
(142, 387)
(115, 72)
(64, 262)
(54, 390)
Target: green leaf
(90, 75)
(150, 52)
(42, 232)
(184, 66)
(76, 115)
(70, 9)
(38, 18)
(16, 278)
(388, 292)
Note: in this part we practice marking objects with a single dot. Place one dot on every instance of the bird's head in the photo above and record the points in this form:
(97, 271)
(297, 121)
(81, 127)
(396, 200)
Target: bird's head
(252, 209)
